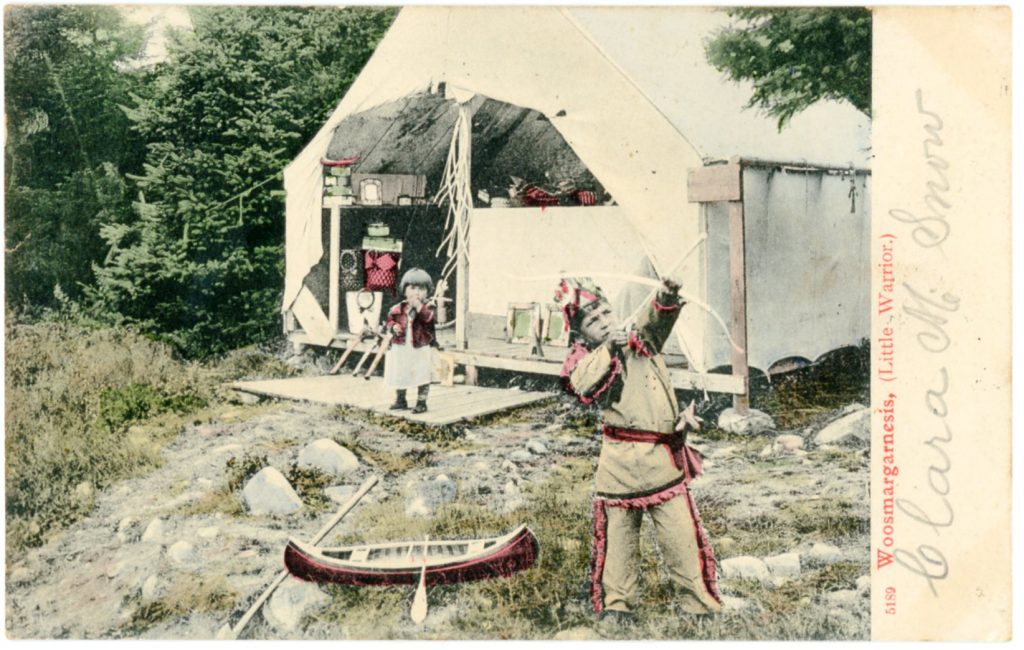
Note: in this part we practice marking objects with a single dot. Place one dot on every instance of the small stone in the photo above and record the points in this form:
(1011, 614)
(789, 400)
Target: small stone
(786, 565)
(521, 456)
(291, 602)
(806, 600)
(822, 553)
(155, 531)
(509, 466)
(425, 497)
(753, 423)
(864, 584)
(339, 493)
(746, 566)
(578, 634)
(842, 597)
(128, 530)
(20, 576)
(270, 493)
(789, 442)
(537, 447)
(853, 428)
(328, 457)
(113, 570)
(182, 553)
(767, 451)
(850, 408)
(85, 492)
(511, 488)
(152, 588)
(208, 532)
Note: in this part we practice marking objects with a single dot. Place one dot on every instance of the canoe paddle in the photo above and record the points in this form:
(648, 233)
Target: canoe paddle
(227, 632)
(419, 602)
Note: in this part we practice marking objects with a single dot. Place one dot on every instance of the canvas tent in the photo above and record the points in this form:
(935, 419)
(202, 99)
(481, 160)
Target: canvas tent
(629, 92)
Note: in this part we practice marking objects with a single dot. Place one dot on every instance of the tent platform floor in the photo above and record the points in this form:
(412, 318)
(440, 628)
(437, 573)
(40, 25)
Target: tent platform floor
(499, 354)
(446, 404)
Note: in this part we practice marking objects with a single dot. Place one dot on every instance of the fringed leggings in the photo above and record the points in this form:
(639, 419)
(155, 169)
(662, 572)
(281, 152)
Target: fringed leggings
(682, 541)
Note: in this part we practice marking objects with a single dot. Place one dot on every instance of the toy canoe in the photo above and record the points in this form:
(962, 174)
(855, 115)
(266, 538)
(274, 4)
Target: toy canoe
(390, 563)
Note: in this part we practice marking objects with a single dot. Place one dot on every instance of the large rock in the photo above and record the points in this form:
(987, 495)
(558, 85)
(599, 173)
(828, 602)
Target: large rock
(425, 497)
(786, 565)
(745, 566)
(854, 429)
(821, 554)
(291, 602)
(329, 457)
(270, 493)
(753, 423)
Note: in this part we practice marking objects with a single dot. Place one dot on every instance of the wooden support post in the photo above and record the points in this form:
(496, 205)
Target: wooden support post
(725, 183)
(462, 244)
(334, 284)
(738, 291)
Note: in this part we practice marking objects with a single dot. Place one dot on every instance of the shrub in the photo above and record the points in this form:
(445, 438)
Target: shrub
(72, 395)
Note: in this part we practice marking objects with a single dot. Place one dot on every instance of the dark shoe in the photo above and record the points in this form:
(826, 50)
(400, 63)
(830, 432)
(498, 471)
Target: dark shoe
(400, 403)
(421, 407)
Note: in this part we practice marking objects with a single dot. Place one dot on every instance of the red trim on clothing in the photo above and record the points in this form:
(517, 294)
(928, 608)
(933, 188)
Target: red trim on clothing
(598, 555)
(704, 551)
(636, 344)
(660, 307)
(576, 353)
(683, 455)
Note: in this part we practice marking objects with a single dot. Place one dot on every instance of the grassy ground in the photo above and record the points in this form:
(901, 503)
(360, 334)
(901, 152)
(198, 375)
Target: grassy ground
(93, 407)
(87, 407)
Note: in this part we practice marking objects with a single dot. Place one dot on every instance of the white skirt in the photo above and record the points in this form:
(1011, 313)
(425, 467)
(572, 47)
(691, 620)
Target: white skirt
(406, 366)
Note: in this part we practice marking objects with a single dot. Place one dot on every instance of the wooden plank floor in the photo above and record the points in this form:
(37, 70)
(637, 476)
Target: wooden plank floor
(446, 404)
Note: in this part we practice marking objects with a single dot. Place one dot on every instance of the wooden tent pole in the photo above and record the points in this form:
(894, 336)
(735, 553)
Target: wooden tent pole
(738, 291)
(724, 183)
(462, 243)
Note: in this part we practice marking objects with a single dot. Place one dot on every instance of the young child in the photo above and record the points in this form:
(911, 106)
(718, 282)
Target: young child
(645, 463)
(411, 322)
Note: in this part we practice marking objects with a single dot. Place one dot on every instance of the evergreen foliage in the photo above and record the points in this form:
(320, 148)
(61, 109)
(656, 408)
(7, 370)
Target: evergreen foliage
(797, 56)
(200, 261)
(67, 145)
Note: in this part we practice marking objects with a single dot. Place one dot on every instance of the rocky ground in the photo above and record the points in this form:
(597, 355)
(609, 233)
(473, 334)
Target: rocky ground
(177, 553)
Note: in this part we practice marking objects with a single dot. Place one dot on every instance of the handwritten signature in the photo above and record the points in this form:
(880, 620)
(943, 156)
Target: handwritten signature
(931, 311)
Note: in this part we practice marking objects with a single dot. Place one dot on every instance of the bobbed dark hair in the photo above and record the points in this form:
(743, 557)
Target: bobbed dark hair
(416, 277)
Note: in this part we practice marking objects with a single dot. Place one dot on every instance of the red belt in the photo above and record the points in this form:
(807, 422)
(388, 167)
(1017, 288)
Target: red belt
(683, 455)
